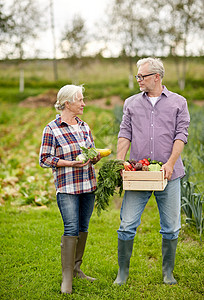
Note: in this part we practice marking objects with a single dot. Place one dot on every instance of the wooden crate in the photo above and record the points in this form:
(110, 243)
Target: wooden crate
(144, 180)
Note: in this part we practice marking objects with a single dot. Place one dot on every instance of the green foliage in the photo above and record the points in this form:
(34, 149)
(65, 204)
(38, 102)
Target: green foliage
(109, 179)
(192, 183)
(192, 205)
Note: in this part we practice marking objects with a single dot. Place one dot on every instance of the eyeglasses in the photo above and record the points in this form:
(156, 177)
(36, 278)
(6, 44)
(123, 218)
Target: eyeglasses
(141, 77)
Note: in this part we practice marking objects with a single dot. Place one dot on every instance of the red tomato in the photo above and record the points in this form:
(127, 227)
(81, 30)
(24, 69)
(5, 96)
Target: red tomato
(146, 161)
(141, 161)
(133, 169)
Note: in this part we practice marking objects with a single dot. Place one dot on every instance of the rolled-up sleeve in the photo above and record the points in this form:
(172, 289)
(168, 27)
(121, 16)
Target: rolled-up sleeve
(125, 126)
(47, 158)
(182, 123)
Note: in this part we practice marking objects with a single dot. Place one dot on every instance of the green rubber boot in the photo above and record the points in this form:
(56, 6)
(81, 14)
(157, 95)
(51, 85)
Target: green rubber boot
(68, 249)
(124, 254)
(168, 254)
(79, 255)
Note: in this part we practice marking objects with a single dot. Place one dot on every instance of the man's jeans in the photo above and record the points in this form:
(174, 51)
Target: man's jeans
(168, 202)
(76, 211)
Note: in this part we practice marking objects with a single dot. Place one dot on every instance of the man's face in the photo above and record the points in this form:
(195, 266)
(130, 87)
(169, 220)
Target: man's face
(148, 83)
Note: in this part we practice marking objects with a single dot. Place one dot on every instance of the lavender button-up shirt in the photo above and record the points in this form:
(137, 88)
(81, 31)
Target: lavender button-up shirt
(153, 130)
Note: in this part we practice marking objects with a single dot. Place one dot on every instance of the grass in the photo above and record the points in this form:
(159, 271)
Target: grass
(31, 267)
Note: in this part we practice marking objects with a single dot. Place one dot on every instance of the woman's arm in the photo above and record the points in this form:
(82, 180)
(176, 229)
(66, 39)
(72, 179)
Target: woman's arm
(47, 158)
(73, 163)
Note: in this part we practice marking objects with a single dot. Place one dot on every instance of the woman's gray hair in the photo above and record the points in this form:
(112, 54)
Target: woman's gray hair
(155, 65)
(67, 93)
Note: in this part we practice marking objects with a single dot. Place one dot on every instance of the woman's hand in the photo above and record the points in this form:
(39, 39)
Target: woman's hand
(79, 164)
(95, 159)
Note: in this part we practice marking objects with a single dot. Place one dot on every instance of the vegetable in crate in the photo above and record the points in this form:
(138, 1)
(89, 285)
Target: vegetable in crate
(109, 179)
(154, 167)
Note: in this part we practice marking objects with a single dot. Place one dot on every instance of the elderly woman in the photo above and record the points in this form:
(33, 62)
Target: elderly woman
(75, 181)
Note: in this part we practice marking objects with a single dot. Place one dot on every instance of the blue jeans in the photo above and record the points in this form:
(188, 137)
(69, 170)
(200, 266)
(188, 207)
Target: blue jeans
(168, 202)
(76, 211)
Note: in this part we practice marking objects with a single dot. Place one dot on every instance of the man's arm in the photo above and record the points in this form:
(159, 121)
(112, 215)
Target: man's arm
(176, 152)
(122, 148)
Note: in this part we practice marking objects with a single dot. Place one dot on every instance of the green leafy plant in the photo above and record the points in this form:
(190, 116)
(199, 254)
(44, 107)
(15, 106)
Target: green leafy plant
(192, 202)
(109, 179)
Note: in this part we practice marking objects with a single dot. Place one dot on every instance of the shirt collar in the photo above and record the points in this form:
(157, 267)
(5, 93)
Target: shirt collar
(164, 92)
(60, 122)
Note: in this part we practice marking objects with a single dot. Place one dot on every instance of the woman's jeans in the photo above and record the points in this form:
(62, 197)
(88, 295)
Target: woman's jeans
(168, 202)
(76, 211)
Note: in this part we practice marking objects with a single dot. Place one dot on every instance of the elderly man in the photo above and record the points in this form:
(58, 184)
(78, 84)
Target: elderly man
(155, 123)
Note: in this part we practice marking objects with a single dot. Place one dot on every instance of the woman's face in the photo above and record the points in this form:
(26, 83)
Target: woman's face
(77, 106)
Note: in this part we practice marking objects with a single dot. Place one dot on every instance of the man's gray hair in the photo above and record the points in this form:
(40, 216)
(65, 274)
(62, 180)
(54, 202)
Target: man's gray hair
(155, 65)
(67, 93)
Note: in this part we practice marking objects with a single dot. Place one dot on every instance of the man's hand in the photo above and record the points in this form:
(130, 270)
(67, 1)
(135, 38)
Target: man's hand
(168, 170)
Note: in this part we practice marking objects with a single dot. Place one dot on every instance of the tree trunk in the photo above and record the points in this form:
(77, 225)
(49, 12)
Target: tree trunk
(21, 81)
(131, 82)
(54, 42)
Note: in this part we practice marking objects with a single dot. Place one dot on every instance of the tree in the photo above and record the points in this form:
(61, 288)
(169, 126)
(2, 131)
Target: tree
(6, 22)
(129, 25)
(73, 43)
(27, 22)
(74, 38)
(178, 21)
(54, 40)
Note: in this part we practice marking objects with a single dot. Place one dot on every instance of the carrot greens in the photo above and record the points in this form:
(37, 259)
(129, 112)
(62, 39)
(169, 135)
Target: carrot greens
(108, 182)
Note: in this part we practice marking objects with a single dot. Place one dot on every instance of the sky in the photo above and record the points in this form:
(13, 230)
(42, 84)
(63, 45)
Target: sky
(64, 11)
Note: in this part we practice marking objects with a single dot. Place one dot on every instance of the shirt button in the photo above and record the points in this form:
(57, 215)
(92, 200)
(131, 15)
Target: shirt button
(151, 124)
(151, 138)
(151, 152)
(152, 112)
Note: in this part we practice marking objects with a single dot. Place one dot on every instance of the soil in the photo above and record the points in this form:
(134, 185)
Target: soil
(49, 99)
(199, 102)
(42, 100)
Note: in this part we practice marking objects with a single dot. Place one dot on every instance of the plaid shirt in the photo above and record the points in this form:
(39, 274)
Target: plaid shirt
(59, 141)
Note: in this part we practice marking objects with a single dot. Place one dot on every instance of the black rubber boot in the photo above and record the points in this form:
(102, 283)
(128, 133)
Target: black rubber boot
(68, 249)
(78, 258)
(124, 254)
(168, 254)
